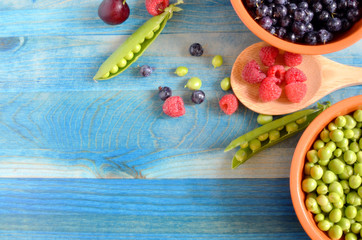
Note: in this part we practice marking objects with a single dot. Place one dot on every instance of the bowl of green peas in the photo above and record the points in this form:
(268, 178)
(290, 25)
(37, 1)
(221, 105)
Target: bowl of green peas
(326, 170)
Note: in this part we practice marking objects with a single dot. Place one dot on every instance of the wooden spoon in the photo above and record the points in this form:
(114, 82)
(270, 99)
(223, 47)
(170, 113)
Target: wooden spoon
(323, 77)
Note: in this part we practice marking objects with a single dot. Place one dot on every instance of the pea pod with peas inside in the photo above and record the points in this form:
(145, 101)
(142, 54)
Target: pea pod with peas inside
(134, 46)
(278, 130)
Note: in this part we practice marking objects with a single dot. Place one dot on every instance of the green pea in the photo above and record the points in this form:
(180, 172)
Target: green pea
(241, 155)
(324, 153)
(323, 162)
(225, 84)
(348, 133)
(359, 192)
(353, 198)
(350, 122)
(181, 71)
(327, 208)
(347, 172)
(345, 186)
(316, 172)
(319, 217)
(359, 215)
(114, 69)
(359, 156)
(338, 204)
(157, 28)
(254, 144)
(338, 152)
(311, 203)
(350, 236)
(280, 128)
(336, 166)
(274, 135)
(332, 126)
(349, 157)
(301, 120)
(329, 177)
(354, 147)
(264, 119)
(194, 83)
(263, 137)
(345, 224)
(357, 168)
(356, 228)
(334, 197)
(324, 135)
(322, 200)
(357, 133)
(336, 187)
(122, 63)
(358, 115)
(331, 145)
(129, 55)
(335, 232)
(309, 185)
(354, 181)
(350, 212)
(322, 189)
(335, 215)
(217, 61)
(136, 44)
(137, 48)
(324, 225)
(291, 127)
(312, 156)
(343, 144)
(340, 121)
(318, 144)
(336, 135)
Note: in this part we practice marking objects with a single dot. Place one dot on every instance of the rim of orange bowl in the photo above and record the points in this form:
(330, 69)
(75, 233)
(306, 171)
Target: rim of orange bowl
(304, 144)
(333, 46)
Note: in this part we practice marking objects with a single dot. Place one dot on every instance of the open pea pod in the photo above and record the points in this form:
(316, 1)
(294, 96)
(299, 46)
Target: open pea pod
(300, 119)
(135, 45)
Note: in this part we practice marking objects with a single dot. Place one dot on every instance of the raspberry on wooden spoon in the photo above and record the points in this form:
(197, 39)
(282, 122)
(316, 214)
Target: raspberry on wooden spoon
(156, 7)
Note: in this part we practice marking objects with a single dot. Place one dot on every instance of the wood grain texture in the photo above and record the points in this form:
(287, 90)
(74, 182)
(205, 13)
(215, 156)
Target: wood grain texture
(147, 209)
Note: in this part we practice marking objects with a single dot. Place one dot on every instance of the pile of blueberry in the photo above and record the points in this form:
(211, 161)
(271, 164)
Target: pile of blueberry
(305, 21)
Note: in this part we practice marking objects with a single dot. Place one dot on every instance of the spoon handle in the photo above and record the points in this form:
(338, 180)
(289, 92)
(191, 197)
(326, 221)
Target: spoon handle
(336, 76)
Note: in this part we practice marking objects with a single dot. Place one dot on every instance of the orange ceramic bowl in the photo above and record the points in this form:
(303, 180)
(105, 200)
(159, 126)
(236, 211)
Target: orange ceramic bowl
(345, 40)
(305, 143)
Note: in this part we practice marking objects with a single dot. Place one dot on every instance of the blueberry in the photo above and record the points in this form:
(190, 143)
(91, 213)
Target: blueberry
(324, 36)
(198, 96)
(332, 7)
(324, 16)
(262, 11)
(309, 27)
(298, 28)
(353, 14)
(345, 24)
(146, 70)
(280, 11)
(342, 4)
(334, 24)
(285, 22)
(317, 7)
(291, 8)
(309, 15)
(299, 14)
(281, 2)
(164, 93)
(311, 38)
(196, 50)
(281, 32)
(253, 3)
(352, 3)
(266, 22)
(272, 30)
(327, 2)
(291, 37)
(303, 5)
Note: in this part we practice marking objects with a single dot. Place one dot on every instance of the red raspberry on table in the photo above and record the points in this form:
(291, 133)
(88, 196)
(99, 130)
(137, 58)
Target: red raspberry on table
(269, 90)
(294, 75)
(268, 55)
(252, 73)
(229, 104)
(156, 7)
(292, 59)
(174, 106)
(295, 91)
(277, 71)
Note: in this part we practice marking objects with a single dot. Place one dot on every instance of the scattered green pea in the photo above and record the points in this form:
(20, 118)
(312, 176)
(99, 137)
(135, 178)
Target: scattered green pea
(194, 83)
(264, 119)
(217, 61)
(225, 84)
(181, 71)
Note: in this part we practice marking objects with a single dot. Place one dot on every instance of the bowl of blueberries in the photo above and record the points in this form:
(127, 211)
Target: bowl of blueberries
(303, 26)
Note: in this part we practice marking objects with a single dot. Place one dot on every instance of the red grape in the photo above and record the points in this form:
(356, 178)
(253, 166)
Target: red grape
(113, 12)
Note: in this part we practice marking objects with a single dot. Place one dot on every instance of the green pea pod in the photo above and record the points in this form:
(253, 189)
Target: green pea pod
(245, 153)
(125, 55)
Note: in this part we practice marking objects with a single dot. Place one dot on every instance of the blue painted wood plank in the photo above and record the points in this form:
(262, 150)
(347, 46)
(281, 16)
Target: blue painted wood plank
(147, 209)
(81, 18)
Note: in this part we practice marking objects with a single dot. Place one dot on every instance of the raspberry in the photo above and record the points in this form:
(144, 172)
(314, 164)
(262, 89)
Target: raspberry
(269, 90)
(295, 91)
(156, 7)
(277, 71)
(252, 73)
(292, 59)
(174, 106)
(294, 75)
(229, 104)
(268, 55)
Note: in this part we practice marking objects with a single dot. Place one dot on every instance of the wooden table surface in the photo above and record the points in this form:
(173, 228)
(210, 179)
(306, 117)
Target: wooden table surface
(81, 159)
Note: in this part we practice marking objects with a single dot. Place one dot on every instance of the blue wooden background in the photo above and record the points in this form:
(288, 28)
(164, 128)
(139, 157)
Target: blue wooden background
(81, 159)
